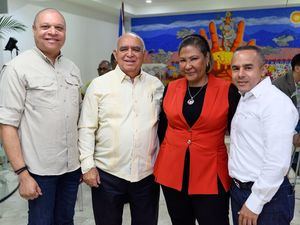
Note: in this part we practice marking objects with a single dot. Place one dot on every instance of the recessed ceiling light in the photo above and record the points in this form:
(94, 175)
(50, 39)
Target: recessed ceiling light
(148, 1)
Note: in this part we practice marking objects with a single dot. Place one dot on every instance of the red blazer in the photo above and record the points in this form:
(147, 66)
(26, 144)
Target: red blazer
(205, 139)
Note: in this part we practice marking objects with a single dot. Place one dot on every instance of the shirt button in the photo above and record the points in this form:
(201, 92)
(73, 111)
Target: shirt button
(189, 142)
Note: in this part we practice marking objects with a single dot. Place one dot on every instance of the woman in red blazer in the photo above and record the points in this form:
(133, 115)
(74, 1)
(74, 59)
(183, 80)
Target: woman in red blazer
(192, 162)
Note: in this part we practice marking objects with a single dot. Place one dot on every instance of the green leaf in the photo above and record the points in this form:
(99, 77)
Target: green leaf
(8, 24)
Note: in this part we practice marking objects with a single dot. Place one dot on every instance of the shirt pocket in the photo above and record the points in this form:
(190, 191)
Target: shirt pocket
(73, 85)
(41, 92)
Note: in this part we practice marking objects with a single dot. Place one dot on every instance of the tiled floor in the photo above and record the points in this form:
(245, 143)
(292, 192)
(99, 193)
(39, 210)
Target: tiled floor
(14, 210)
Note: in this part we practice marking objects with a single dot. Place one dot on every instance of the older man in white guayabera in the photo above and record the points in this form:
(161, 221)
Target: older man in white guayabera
(118, 139)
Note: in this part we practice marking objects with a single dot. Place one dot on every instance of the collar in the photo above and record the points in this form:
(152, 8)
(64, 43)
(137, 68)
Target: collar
(43, 56)
(123, 76)
(259, 89)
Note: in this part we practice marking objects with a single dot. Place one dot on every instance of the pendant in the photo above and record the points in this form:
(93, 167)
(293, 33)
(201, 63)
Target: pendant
(190, 101)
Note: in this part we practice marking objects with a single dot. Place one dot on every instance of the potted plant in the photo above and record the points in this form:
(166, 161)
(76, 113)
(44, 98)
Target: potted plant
(7, 24)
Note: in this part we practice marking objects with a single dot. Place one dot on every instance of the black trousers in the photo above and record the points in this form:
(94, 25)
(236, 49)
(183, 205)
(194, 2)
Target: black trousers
(113, 192)
(185, 209)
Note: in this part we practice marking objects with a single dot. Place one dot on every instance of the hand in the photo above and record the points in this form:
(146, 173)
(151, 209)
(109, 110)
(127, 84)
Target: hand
(247, 217)
(29, 189)
(92, 178)
(231, 40)
(296, 140)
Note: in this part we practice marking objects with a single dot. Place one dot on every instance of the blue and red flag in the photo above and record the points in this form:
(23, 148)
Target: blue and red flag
(122, 21)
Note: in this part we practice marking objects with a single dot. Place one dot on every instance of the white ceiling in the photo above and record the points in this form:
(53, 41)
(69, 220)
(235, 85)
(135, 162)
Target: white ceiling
(137, 8)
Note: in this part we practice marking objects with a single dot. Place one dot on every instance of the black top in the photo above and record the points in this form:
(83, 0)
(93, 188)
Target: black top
(192, 112)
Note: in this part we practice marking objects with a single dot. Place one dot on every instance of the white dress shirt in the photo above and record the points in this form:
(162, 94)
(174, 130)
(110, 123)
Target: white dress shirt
(261, 141)
(118, 125)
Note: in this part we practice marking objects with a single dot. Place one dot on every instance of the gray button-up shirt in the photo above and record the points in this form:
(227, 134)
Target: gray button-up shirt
(42, 101)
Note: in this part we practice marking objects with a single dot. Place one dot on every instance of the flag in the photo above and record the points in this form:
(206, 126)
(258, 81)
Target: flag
(121, 21)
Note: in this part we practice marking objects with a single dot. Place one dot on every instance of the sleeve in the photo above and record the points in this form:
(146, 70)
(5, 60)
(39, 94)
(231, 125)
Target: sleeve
(163, 122)
(233, 99)
(12, 96)
(278, 126)
(87, 126)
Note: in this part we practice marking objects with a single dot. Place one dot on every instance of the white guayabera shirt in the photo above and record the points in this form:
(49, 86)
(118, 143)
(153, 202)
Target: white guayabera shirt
(118, 124)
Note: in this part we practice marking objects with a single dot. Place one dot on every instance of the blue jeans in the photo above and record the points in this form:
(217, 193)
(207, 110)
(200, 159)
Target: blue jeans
(56, 205)
(279, 211)
(113, 192)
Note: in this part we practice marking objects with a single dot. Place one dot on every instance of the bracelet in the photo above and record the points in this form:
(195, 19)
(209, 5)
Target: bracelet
(22, 169)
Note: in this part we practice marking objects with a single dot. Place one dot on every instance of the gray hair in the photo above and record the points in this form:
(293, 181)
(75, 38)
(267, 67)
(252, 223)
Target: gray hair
(133, 35)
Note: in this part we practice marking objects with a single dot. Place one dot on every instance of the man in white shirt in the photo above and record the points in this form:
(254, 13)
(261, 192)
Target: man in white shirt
(261, 143)
(118, 140)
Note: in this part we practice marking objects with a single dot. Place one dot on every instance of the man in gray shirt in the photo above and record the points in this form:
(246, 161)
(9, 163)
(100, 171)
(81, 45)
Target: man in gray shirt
(39, 109)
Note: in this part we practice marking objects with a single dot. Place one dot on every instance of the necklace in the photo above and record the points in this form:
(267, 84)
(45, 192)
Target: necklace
(191, 100)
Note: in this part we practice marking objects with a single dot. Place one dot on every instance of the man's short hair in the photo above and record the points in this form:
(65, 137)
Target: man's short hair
(134, 35)
(105, 62)
(254, 48)
(44, 10)
(295, 61)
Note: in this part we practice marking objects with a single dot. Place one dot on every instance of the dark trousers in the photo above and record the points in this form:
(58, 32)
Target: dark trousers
(185, 209)
(113, 192)
(279, 211)
(56, 205)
